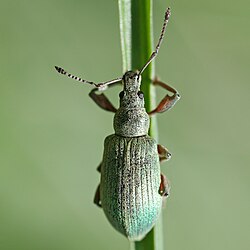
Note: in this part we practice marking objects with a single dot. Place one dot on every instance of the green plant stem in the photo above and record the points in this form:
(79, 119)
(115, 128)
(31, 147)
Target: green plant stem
(137, 46)
(125, 32)
(142, 47)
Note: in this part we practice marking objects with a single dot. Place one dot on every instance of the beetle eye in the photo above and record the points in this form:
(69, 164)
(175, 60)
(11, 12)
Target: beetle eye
(140, 94)
(121, 94)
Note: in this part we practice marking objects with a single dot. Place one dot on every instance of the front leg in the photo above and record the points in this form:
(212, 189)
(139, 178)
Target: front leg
(168, 101)
(101, 100)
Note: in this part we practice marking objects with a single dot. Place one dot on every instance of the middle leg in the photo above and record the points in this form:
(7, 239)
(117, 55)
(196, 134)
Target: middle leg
(164, 154)
(164, 189)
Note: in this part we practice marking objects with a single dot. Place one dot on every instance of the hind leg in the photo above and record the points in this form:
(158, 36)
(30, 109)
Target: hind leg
(97, 198)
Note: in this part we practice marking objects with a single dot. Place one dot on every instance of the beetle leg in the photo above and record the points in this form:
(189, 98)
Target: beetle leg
(101, 100)
(99, 167)
(168, 101)
(164, 154)
(164, 189)
(97, 199)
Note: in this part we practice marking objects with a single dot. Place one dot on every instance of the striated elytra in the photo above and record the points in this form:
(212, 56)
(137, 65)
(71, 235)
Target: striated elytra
(130, 181)
(132, 187)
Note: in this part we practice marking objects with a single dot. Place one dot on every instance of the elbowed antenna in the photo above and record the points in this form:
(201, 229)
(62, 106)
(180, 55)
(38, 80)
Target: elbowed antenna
(101, 85)
(63, 72)
(155, 52)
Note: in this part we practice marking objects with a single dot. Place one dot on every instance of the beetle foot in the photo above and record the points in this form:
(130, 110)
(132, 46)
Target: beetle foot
(164, 154)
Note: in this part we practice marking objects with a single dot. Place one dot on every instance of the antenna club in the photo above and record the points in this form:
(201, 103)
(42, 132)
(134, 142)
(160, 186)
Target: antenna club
(60, 70)
(168, 13)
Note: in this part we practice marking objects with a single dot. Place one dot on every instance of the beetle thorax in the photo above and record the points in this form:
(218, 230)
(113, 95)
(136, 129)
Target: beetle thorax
(131, 118)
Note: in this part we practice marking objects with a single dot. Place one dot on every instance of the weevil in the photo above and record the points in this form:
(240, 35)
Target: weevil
(132, 188)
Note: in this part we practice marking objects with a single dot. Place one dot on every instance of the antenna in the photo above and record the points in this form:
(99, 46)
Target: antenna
(101, 85)
(155, 52)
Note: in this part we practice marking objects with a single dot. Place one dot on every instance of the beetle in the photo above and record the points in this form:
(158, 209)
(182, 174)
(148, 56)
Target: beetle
(132, 188)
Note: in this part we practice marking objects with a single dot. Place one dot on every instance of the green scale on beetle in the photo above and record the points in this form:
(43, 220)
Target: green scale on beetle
(132, 188)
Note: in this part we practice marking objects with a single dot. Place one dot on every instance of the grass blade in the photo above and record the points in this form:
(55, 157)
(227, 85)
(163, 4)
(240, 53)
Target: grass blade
(137, 46)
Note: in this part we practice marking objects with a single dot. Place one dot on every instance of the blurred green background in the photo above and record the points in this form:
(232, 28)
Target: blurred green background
(51, 133)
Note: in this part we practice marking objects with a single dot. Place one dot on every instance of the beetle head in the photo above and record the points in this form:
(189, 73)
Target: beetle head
(131, 119)
(131, 96)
